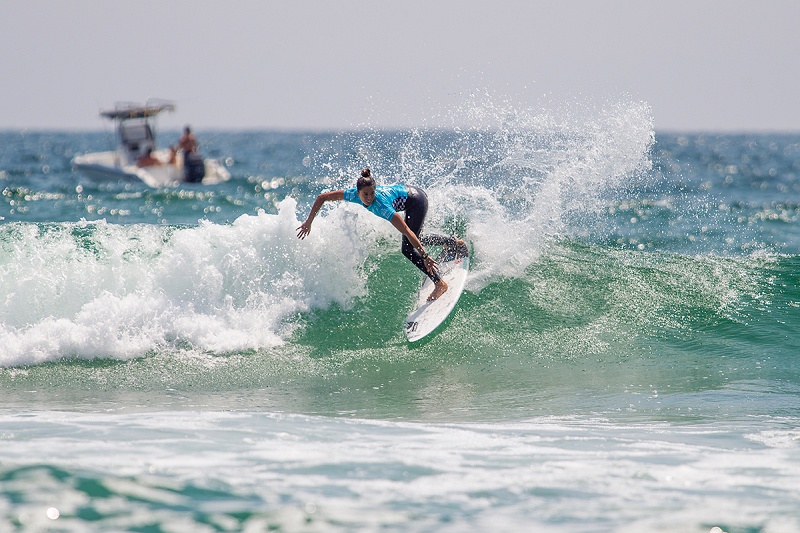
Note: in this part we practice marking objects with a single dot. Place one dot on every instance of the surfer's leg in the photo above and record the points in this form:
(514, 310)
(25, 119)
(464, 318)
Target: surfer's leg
(452, 246)
(439, 285)
(435, 239)
(416, 209)
(415, 258)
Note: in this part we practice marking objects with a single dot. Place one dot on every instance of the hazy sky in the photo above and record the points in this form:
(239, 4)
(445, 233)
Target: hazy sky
(701, 65)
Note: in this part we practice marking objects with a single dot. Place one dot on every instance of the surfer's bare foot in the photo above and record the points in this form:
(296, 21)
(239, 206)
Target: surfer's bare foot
(438, 289)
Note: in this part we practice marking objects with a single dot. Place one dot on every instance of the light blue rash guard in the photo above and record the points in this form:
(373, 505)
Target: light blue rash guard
(388, 199)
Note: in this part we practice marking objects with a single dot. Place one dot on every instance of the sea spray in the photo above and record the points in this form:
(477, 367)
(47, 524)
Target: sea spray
(533, 176)
(509, 179)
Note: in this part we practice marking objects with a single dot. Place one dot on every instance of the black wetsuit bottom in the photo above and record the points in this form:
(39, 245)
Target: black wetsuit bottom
(416, 210)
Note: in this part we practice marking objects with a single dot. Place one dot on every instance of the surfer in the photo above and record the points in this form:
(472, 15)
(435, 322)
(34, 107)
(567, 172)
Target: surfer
(385, 201)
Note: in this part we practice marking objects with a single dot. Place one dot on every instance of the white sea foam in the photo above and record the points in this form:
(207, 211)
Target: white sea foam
(101, 290)
(550, 473)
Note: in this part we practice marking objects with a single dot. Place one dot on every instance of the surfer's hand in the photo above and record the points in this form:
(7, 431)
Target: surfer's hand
(431, 265)
(303, 230)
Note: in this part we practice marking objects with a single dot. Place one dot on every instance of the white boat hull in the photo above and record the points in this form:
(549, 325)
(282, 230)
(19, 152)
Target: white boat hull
(106, 166)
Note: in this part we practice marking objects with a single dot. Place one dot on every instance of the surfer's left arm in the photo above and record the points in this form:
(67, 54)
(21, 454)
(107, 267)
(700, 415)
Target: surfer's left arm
(401, 226)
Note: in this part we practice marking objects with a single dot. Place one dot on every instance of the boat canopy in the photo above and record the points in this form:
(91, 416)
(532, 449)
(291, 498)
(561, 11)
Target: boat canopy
(127, 110)
(135, 133)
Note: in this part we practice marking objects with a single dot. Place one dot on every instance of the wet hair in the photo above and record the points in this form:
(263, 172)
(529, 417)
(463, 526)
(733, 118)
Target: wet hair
(366, 180)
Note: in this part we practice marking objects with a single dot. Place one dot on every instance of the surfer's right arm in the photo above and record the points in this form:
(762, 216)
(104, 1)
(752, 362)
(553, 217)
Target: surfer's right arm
(305, 228)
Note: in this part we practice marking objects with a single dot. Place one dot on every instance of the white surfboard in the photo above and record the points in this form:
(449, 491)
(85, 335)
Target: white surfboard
(427, 316)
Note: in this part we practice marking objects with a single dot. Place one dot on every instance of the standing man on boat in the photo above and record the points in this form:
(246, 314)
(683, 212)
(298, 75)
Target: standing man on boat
(193, 165)
(187, 142)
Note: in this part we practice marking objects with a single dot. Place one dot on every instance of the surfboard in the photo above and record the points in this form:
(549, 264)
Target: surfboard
(427, 316)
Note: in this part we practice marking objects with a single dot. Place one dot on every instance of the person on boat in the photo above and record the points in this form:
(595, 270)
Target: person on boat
(147, 159)
(187, 142)
(193, 167)
(385, 201)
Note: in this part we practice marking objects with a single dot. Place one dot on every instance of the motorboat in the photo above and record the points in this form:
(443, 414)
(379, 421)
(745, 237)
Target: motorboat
(136, 156)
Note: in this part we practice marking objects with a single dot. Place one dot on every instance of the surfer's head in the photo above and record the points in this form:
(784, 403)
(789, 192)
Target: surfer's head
(365, 180)
(366, 187)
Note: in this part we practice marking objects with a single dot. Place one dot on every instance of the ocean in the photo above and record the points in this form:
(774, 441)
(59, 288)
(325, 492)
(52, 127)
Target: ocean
(624, 357)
